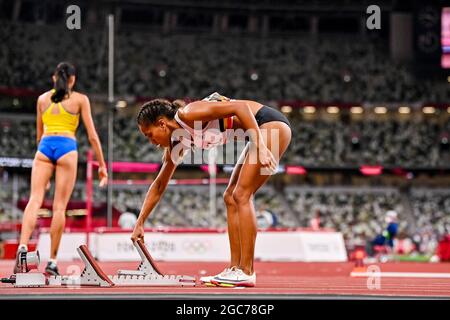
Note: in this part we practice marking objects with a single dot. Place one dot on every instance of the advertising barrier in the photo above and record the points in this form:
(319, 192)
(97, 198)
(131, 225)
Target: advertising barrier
(115, 245)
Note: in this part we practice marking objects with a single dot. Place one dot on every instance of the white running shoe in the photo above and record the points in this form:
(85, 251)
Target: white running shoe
(236, 278)
(207, 279)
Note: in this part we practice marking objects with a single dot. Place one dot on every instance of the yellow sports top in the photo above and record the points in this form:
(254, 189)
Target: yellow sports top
(61, 122)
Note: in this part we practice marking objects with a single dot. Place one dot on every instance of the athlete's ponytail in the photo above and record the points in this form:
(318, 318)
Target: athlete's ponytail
(62, 73)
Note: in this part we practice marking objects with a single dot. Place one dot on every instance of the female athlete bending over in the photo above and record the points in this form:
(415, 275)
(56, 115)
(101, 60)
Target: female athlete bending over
(212, 120)
(58, 113)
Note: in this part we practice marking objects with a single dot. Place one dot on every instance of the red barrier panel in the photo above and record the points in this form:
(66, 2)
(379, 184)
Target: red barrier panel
(10, 248)
(443, 250)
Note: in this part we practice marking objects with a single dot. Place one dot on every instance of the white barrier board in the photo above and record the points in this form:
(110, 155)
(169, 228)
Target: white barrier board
(190, 246)
(163, 246)
(67, 248)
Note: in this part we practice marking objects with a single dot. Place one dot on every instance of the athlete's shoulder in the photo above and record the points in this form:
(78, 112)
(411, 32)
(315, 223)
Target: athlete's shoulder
(45, 95)
(44, 99)
(79, 95)
(80, 98)
(181, 112)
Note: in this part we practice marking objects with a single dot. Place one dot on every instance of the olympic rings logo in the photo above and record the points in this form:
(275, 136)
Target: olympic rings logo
(196, 247)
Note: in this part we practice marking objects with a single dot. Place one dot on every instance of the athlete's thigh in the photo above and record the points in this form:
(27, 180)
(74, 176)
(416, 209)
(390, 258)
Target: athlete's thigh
(65, 177)
(237, 168)
(253, 175)
(40, 175)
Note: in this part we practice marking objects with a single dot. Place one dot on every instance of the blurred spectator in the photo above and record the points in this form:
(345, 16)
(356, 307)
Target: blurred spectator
(315, 221)
(385, 240)
(403, 244)
(127, 220)
(266, 218)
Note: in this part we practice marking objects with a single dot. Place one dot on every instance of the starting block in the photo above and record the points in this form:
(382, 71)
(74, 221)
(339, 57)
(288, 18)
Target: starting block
(24, 278)
(147, 273)
(92, 274)
(147, 265)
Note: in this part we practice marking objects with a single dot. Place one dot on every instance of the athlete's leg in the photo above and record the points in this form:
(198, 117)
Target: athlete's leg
(40, 175)
(251, 179)
(232, 213)
(65, 176)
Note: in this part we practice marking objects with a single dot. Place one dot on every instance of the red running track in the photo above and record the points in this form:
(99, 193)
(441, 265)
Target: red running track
(274, 280)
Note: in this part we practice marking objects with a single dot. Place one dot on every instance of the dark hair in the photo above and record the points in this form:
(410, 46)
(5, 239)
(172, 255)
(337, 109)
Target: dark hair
(154, 109)
(62, 73)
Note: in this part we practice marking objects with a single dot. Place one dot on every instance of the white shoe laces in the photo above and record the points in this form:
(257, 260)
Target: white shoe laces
(227, 271)
(240, 273)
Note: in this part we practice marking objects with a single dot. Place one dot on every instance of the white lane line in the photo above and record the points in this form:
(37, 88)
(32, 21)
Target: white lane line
(401, 275)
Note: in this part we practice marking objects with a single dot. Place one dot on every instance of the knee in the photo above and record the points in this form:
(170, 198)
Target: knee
(241, 196)
(59, 212)
(36, 201)
(228, 197)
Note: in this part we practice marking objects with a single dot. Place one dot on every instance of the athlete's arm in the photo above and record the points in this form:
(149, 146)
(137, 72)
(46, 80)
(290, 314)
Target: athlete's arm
(39, 124)
(154, 194)
(94, 139)
(207, 111)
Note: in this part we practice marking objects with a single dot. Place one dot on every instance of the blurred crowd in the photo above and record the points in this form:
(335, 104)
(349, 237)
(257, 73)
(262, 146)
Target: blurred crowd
(321, 68)
(409, 143)
(189, 206)
(431, 212)
(389, 142)
(359, 213)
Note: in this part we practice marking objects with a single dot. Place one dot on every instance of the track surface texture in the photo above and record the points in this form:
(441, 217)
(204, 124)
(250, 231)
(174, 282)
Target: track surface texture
(275, 280)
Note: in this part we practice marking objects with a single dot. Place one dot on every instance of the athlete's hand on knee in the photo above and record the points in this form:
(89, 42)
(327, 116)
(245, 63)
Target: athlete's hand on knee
(103, 175)
(138, 232)
(267, 159)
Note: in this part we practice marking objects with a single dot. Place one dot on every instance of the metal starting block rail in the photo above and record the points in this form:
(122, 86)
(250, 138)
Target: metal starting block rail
(147, 273)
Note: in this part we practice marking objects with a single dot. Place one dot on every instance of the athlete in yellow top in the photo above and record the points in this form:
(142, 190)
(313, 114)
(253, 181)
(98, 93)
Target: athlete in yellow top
(58, 113)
